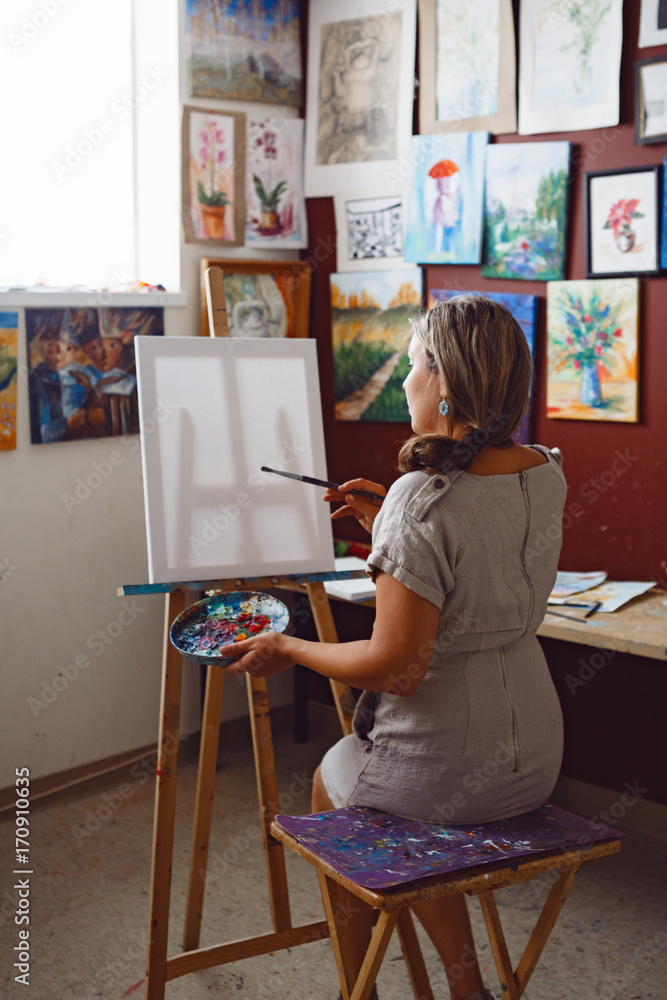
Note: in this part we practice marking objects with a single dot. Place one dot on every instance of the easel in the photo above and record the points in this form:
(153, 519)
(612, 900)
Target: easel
(161, 969)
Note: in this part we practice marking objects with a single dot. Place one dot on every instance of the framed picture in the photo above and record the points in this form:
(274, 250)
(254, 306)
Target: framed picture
(651, 100)
(663, 239)
(622, 222)
(244, 51)
(361, 61)
(652, 23)
(9, 322)
(371, 327)
(592, 350)
(526, 210)
(446, 198)
(275, 206)
(467, 74)
(570, 65)
(370, 230)
(264, 298)
(212, 176)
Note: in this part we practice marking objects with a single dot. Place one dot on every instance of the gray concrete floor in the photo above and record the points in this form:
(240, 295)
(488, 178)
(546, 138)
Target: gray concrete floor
(89, 902)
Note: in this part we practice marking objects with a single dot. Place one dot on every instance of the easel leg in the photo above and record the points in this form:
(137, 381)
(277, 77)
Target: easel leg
(208, 755)
(326, 632)
(165, 803)
(267, 791)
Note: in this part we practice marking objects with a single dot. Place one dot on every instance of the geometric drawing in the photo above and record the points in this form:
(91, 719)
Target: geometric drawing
(369, 230)
(570, 65)
(526, 208)
(275, 209)
(244, 50)
(265, 298)
(213, 176)
(466, 66)
(592, 349)
(446, 198)
(8, 377)
(360, 94)
(372, 315)
(81, 371)
(622, 222)
(651, 100)
(235, 405)
(524, 310)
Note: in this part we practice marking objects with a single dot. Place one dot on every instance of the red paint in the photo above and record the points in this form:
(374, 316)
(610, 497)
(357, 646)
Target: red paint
(133, 988)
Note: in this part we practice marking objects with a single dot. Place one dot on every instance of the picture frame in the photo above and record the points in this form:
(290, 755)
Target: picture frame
(370, 230)
(622, 239)
(651, 100)
(360, 89)
(213, 201)
(275, 206)
(652, 24)
(493, 97)
(277, 293)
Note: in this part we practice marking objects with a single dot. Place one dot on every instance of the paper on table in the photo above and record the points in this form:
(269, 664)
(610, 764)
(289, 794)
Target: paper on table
(350, 590)
(615, 593)
(574, 583)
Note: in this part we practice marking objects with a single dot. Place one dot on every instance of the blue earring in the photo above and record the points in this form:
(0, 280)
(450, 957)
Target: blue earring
(444, 407)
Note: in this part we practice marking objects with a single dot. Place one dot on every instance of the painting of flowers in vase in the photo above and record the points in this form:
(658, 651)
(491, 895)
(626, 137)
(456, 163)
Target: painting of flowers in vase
(592, 349)
(446, 198)
(622, 217)
(213, 179)
(275, 206)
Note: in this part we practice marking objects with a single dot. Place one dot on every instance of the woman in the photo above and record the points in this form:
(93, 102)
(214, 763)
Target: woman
(458, 721)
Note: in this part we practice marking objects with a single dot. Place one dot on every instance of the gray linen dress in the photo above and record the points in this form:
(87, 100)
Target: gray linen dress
(481, 738)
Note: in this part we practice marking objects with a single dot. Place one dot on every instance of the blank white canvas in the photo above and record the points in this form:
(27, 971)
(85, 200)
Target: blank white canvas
(212, 412)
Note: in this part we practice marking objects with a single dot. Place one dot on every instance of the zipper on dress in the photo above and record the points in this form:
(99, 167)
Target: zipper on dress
(531, 602)
(515, 742)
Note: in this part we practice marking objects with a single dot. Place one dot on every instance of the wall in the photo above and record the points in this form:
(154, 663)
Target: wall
(622, 526)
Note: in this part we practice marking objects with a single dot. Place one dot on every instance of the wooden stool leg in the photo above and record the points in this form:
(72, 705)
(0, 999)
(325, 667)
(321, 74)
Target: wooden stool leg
(326, 632)
(208, 755)
(376, 952)
(544, 925)
(412, 954)
(498, 945)
(165, 804)
(267, 790)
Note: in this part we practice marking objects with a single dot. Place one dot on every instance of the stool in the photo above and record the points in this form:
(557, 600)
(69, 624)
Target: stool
(391, 862)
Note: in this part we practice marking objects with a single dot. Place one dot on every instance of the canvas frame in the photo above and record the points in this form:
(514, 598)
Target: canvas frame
(343, 262)
(649, 35)
(301, 269)
(321, 179)
(505, 119)
(641, 138)
(589, 182)
(189, 234)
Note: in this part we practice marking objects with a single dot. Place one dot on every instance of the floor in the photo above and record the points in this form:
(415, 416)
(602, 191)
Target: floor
(89, 899)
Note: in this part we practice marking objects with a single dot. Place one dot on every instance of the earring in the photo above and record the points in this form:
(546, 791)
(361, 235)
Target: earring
(443, 407)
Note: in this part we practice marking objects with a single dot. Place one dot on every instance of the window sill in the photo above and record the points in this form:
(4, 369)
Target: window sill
(79, 300)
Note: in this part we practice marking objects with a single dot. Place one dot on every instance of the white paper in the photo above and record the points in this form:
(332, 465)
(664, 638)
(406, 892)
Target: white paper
(649, 32)
(568, 583)
(615, 593)
(361, 589)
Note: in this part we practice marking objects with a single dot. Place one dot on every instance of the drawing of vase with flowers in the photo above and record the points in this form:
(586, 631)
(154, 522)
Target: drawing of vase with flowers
(212, 200)
(592, 332)
(619, 220)
(268, 193)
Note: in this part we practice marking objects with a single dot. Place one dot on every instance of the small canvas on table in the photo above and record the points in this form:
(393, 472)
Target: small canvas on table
(212, 412)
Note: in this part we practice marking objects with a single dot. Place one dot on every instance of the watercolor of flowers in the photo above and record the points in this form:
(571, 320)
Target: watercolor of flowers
(211, 157)
(591, 332)
(621, 215)
(268, 193)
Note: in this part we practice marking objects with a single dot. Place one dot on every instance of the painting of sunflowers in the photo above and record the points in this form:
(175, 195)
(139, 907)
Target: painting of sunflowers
(592, 349)
(446, 198)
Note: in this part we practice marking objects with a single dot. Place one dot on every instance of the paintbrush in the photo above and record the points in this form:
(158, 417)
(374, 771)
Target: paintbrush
(322, 482)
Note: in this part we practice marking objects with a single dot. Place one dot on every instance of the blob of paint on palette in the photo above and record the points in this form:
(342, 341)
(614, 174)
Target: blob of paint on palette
(200, 630)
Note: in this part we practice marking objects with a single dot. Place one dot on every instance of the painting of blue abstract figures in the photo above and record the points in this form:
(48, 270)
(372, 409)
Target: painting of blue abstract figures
(526, 210)
(446, 198)
(524, 310)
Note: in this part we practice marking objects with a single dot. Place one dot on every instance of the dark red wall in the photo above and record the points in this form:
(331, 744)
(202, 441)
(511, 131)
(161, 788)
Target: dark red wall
(621, 527)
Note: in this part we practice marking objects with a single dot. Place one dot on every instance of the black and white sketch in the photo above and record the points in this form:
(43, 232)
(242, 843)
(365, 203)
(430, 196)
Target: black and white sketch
(370, 230)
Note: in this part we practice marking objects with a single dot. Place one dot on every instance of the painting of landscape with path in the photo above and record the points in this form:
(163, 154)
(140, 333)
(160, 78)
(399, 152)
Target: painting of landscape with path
(371, 314)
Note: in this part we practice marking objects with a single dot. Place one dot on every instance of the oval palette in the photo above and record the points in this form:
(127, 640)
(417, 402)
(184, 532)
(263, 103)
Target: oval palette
(202, 628)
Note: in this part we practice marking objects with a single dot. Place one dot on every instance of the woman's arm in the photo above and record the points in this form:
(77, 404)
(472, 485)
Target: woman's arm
(395, 658)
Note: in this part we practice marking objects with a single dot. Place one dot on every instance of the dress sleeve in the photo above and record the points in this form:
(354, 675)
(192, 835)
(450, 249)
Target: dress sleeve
(411, 541)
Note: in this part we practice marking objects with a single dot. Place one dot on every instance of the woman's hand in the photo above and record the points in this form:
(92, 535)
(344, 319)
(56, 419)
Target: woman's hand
(363, 509)
(262, 656)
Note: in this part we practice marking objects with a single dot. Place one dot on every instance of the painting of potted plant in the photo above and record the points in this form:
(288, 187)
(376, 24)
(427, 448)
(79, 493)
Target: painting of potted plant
(213, 178)
(622, 221)
(592, 349)
(275, 209)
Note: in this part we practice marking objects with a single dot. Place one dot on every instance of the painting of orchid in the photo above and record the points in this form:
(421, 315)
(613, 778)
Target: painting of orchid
(622, 221)
(213, 180)
(275, 206)
(526, 209)
(446, 198)
(592, 349)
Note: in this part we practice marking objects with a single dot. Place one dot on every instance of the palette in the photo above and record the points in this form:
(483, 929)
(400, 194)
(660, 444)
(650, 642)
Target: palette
(200, 630)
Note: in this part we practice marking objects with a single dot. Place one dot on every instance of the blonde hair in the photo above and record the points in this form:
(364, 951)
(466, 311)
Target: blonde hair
(481, 356)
